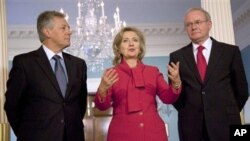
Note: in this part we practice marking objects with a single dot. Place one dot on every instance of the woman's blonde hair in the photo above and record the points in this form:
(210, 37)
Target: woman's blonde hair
(117, 42)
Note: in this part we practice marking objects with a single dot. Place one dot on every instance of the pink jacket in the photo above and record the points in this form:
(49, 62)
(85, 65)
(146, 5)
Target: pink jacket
(133, 98)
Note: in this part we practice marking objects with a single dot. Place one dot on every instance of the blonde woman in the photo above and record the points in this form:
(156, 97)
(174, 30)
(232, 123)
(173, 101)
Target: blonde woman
(131, 87)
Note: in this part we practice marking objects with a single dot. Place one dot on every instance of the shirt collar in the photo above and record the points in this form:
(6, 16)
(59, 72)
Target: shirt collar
(207, 44)
(50, 53)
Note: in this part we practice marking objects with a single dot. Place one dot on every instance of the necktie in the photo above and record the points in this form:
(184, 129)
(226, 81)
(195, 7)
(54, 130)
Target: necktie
(60, 74)
(201, 63)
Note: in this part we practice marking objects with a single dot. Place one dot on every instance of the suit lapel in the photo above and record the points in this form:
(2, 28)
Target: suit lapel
(189, 58)
(70, 72)
(44, 63)
(215, 54)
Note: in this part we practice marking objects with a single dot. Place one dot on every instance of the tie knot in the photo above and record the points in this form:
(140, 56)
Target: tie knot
(200, 48)
(56, 57)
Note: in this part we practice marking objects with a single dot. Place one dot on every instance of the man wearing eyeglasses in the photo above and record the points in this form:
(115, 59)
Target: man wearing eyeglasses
(214, 84)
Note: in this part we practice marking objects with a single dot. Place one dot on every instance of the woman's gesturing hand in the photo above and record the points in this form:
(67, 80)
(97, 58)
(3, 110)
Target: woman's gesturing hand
(110, 76)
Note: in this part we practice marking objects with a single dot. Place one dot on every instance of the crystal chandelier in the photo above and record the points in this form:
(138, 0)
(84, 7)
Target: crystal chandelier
(92, 37)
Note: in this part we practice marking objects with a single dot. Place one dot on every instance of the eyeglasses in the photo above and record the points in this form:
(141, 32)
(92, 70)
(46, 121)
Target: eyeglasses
(195, 23)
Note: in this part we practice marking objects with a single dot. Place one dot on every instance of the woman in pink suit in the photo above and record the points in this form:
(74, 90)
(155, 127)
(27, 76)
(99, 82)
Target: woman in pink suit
(131, 87)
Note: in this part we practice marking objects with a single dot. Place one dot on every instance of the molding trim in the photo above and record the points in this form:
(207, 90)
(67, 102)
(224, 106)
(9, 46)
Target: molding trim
(22, 32)
(162, 29)
(161, 39)
(29, 31)
(241, 15)
(241, 25)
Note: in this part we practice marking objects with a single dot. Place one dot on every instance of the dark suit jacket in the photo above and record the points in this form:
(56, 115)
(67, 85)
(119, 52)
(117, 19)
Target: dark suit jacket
(218, 100)
(34, 105)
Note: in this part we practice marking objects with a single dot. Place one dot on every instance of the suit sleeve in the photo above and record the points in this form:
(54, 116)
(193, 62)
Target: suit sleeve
(16, 85)
(239, 80)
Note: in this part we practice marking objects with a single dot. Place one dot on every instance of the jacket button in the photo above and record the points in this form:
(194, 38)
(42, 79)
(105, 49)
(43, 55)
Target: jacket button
(140, 113)
(141, 124)
(62, 121)
(203, 92)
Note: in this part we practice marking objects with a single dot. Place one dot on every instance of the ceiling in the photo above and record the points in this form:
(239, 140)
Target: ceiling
(25, 12)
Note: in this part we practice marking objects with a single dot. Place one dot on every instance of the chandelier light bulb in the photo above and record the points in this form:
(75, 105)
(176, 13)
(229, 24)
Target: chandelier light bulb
(102, 5)
(94, 36)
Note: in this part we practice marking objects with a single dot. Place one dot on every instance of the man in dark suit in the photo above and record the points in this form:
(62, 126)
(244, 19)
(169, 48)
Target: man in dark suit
(40, 107)
(210, 101)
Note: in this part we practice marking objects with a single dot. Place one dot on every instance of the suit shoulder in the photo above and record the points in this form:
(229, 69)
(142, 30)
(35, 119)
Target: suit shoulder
(228, 47)
(27, 55)
(74, 58)
(223, 44)
(152, 71)
(179, 50)
(152, 68)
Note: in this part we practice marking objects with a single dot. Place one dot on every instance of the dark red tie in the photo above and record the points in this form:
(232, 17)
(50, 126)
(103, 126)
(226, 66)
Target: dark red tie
(201, 63)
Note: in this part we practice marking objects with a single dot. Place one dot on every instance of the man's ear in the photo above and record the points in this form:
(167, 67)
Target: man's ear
(210, 24)
(46, 32)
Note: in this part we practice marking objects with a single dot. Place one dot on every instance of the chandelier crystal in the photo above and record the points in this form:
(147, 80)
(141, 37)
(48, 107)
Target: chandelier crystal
(92, 37)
